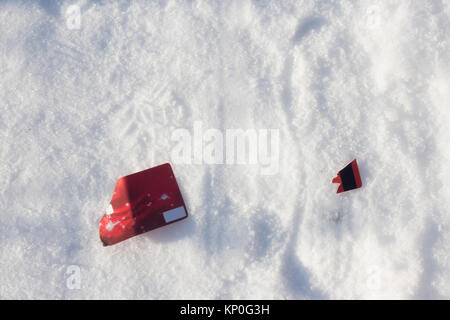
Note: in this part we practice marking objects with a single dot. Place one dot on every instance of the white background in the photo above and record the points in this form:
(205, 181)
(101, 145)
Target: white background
(339, 79)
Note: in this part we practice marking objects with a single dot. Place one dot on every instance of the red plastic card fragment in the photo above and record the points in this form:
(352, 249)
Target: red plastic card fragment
(141, 202)
(348, 178)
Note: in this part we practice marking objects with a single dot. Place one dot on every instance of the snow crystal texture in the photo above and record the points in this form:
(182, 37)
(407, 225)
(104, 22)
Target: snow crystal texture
(340, 80)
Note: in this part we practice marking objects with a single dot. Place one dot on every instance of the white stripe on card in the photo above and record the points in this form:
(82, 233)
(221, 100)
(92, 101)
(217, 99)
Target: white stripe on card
(174, 214)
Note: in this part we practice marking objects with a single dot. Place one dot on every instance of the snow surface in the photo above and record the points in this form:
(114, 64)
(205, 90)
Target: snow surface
(339, 79)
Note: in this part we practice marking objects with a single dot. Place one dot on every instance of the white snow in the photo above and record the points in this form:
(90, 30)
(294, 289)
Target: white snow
(339, 80)
(111, 225)
(109, 210)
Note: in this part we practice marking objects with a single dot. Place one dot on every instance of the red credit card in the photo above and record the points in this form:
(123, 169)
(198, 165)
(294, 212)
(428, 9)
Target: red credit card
(348, 178)
(141, 202)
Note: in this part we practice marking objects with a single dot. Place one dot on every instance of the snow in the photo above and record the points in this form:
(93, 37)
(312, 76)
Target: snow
(340, 80)
(111, 225)
(164, 197)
